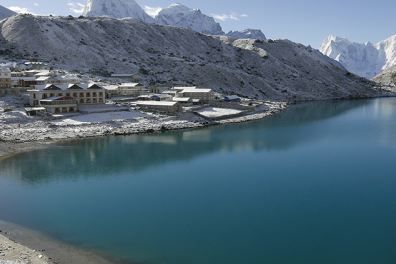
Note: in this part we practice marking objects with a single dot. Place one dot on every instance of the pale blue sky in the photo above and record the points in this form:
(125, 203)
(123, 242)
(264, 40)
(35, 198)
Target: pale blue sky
(306, 21)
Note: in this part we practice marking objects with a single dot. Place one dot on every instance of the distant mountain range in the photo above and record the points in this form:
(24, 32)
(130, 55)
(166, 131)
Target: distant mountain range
(175, 15)
(366, 60)
(5, 12)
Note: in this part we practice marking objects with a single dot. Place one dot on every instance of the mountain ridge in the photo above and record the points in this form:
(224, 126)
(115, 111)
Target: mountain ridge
(364, 59)
(278, 70)
(5, 12)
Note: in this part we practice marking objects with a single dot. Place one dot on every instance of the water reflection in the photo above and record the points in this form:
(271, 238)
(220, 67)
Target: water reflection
(104, 157)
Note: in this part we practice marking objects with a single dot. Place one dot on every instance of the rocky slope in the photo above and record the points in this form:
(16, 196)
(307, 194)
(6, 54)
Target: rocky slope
(116, 9)
(5, 12)
(178, 15)
(169, 56)
(366, 59)
(387, 77)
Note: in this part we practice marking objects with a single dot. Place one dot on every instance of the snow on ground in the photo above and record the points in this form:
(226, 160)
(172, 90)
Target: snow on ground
(218, 112)
(99, 117)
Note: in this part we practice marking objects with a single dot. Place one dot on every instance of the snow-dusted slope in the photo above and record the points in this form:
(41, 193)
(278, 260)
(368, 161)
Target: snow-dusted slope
(170, 56)
(366, 59)
(247, 34)
(387, 77)
(5, 12)
(116, 9)
(178, 15)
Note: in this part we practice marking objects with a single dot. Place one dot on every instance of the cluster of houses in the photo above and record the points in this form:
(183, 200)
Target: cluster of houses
(55, 94)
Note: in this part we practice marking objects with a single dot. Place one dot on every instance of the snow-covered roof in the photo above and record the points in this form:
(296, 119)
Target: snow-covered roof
(160, 96)
(43, 73)
(78, 86)
(184, 88)
(196, 90)
(124, 85)
(232, 97)
(163, 103)
(182, 99)
(6, 70)
(44, 78)
(26, 79)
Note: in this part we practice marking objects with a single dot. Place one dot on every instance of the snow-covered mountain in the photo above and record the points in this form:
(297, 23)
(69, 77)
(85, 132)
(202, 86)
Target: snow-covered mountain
(116, 9)
(366, 59)
(247, 34)
(5, 12)
(178, 15)
(170, 56)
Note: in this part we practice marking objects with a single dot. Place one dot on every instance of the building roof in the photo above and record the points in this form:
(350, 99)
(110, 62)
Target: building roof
(182, 99)
(232, 97)
(160, 96)
(123, 85)
(196, 90)
(34, 109)
(6, 70)
(77, 86)
(163, 103)
(26, 79)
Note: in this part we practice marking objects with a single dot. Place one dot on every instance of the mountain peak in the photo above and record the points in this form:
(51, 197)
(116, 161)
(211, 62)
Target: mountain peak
(178, 15)
(116, 9)
(247, 34)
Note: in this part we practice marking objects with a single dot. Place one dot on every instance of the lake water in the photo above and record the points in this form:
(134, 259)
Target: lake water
(314, 184)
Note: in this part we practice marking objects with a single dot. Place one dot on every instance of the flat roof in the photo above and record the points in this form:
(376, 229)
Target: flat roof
(182, 99)
(163, 103)
(128, 85)
(196, 90)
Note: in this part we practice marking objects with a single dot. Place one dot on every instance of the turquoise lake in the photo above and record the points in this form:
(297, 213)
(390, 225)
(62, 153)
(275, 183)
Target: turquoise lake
(313, 184)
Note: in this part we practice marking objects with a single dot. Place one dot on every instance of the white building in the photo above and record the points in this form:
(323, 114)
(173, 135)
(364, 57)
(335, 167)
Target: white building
(5, 78)
(85, 94)
(133, 89)
(194, 93)
(160, 106)
(59, 104)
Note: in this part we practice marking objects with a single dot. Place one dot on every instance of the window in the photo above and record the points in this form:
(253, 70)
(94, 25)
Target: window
(60, 94)
(64, 110)
(57, 110)
(81, 94)
(71, 109)
(67, 94)
(95, 100)
(74, 94)
(81, 101)
(101, 94)
(52, 94)
(88, 101)
(88, 95)
(94, 94)
(101, 100)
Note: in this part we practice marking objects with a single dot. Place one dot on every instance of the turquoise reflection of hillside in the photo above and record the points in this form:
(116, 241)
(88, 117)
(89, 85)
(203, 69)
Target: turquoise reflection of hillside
(105, 157)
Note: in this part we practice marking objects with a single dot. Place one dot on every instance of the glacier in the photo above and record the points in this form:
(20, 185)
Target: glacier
(364, 59)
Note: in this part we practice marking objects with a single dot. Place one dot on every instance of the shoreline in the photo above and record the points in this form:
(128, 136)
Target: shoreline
(29, 139)
(21, 245)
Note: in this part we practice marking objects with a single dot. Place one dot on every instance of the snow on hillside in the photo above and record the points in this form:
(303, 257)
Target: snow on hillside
(178, 15)
(275, 70)
(247, 34)
(5, 12)
(116, 9)
(366, 59)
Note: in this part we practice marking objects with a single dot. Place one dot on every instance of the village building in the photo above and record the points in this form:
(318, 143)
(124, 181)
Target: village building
(24, 81)
(68, 79)
(59, 104)
(158, 90)
(85, 94)
(35, 65)
(232, 98)
(160, 97)
(128, 76)
(160, 106)
(133, 89)
(185, 101)
(5, 78)
(203, 95)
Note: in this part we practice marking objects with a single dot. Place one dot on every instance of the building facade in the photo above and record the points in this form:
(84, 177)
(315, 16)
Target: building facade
(5, 78)
(84, 94)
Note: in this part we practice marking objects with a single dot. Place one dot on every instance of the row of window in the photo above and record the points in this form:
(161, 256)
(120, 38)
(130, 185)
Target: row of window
(91, 101)
(4, 74)
(64, 109)
(75, 95)
(5, 80)
(6, 85)
(59, 102)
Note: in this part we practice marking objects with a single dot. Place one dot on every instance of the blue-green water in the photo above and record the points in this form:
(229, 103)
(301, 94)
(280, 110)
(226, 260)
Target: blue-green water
(314, 184)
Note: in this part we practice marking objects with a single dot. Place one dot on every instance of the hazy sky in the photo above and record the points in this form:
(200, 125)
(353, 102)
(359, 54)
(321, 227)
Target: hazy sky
(306, 21)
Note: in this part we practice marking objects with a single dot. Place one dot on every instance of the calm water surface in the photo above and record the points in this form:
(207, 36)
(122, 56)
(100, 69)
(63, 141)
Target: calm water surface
(314, 184)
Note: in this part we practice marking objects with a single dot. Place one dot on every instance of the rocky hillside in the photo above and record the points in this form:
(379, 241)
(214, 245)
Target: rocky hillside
(387, 77)
(164, 55)
(247, 34)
